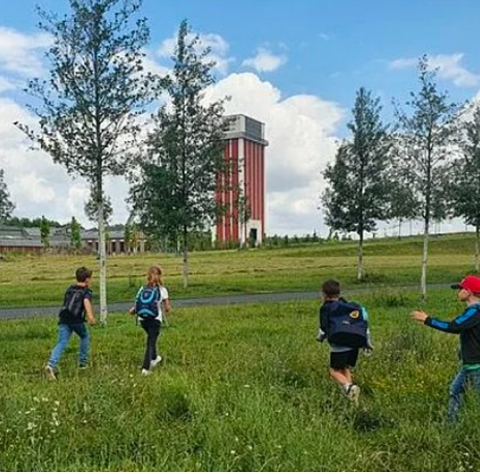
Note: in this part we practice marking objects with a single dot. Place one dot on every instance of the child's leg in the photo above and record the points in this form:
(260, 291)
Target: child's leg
(64, 333)
(457, 389)
(82, 332)
(338, 368)
(340, 376)
(152, 328)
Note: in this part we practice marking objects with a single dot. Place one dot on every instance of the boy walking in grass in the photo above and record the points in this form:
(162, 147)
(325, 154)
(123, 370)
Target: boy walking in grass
(345, 325)
(467, 325)
(77, 306)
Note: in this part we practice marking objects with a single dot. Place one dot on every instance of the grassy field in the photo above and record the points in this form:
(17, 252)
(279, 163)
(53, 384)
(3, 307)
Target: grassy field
(241, 388)
(39, 281)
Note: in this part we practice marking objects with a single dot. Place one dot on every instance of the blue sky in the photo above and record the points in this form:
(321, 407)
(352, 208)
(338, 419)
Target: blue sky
(299, 63)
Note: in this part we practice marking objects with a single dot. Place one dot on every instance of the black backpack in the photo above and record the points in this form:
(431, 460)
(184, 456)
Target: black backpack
(347, 324)
(73, 308)
(146, 303)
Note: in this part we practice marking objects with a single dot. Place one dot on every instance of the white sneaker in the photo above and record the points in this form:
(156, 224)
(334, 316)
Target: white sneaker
(50, 373)
(155, 362)
(146, 372)
(354, 393)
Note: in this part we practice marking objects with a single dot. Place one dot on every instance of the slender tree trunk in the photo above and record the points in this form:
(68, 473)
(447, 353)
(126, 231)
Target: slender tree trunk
(477, 245)
(399, 229)
(360, 257)
(423, 283)
(185, 258)
(103, 263)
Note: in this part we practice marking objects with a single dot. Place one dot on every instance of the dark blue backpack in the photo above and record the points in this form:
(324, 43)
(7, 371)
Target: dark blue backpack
(146, 303)
(347, 324)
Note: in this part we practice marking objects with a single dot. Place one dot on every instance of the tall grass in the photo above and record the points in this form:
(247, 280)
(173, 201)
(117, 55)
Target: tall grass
(241, 388)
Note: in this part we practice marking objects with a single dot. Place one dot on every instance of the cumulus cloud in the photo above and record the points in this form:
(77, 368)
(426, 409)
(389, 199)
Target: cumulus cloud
(265, 61)
(19, 51)
(301, 133)
(301, 130)
(219, 49)
(448, 66)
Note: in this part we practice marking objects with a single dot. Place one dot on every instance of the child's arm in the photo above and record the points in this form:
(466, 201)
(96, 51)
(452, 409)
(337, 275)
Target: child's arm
(322, 330)
(166, 306)
(87, 303)
(468, 319)
(369, 346)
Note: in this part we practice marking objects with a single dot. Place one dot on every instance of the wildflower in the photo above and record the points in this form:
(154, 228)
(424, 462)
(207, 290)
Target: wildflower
(232, 452)
(56, 402)
(36, 399)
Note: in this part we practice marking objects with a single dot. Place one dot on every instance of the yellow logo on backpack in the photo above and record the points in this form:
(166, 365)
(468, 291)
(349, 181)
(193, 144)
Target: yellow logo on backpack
(355, 314)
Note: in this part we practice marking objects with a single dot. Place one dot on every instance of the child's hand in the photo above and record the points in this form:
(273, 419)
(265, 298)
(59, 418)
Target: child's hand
(321, 336)
(419, 316)
(91, 321)
(132, 310)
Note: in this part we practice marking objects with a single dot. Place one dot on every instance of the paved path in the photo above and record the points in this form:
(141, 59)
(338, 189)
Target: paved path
(19, 313)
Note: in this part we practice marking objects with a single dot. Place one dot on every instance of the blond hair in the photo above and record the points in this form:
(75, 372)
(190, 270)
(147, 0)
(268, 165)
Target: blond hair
(155, 275)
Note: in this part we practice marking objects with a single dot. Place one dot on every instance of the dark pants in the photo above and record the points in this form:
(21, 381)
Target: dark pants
(152, 328)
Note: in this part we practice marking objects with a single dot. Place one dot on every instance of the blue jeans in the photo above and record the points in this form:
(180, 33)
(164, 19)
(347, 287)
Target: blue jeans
(463, 379)
(64, 333)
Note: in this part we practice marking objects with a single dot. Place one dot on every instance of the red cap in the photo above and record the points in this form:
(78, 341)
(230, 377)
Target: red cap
(470, 283)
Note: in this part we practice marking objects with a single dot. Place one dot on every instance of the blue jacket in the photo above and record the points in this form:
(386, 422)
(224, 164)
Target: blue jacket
(468, 326)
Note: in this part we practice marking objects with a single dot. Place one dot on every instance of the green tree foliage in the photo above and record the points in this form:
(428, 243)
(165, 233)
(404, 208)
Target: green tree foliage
(75, 234)
(464, 190)
(175, 192)
(425, 138)
(357, 181)
(89, 109)
(45, 232)
(6, 205)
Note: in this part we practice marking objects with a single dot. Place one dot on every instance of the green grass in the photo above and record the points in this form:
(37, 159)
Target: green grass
(242, 388)
(41, 281)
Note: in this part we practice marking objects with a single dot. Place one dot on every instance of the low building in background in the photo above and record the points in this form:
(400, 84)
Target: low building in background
(28, 240)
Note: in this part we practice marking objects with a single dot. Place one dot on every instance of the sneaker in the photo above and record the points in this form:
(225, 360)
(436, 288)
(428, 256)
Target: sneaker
(155, 362)
(50, 373)
(353, 393)
(82, 365)
(146, 372)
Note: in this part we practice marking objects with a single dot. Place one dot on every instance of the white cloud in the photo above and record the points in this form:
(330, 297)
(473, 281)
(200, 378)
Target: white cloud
(448, 66)
(265, 61)
(218, 45)
(19, 51)
(301, 133)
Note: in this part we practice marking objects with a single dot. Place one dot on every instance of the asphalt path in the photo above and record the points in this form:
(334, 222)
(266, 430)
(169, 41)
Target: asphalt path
(21, 313)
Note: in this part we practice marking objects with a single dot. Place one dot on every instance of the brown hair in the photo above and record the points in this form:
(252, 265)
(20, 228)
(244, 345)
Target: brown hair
(155, 275)
(331, 288)
(82, 274)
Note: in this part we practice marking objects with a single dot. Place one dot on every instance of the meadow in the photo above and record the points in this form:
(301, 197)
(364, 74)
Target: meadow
(241, 388)
(41, 281)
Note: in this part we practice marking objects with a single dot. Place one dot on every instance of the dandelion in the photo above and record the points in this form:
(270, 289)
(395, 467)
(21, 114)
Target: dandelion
(56, 402)
(249, 447)
(247, 386)
(233, 452)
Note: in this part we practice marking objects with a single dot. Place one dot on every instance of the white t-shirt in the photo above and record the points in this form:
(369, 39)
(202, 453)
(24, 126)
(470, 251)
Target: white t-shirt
(164, 296)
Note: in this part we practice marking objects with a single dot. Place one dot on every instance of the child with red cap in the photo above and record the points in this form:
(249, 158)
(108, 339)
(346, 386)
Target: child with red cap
(467, 325)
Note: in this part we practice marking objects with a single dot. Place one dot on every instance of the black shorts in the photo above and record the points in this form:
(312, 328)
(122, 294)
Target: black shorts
(343, 360)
